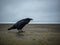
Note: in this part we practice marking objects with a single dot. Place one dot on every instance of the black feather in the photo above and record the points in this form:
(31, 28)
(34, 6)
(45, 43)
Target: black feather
(20, 24)
(9, 29)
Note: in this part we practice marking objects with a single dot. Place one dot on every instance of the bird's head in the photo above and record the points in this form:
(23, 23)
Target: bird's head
(29, 18)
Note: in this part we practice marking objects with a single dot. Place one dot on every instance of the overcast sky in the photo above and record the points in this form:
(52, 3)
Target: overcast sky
(39, 10)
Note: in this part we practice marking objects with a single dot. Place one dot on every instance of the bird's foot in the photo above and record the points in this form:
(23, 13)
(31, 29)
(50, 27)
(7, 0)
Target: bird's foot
(20, 31)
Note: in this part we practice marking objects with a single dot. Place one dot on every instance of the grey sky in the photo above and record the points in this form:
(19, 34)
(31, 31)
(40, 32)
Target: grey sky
(39, 10)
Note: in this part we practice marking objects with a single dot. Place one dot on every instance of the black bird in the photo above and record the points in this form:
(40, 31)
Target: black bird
(20, 24)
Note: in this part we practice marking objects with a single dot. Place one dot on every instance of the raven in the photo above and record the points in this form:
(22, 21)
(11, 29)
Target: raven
(20, 24)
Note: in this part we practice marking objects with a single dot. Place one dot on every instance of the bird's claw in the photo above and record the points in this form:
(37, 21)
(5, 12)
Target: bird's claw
(20, 31)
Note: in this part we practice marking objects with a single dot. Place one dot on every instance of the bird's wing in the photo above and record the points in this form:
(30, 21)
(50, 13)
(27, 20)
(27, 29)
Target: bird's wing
(19, 23)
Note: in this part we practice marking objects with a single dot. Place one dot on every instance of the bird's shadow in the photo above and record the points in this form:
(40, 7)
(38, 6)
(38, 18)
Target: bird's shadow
(20, 35)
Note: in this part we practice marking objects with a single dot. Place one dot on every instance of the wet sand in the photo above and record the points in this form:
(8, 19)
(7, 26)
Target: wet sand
(32, 36)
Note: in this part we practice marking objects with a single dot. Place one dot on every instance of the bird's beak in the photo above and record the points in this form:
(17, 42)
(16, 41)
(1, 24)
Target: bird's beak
(31, 19)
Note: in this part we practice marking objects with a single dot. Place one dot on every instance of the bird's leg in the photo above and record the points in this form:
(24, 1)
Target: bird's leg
(19, 31)
(22, 31)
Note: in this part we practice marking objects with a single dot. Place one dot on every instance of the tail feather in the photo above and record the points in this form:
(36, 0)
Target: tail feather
(9, 28)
